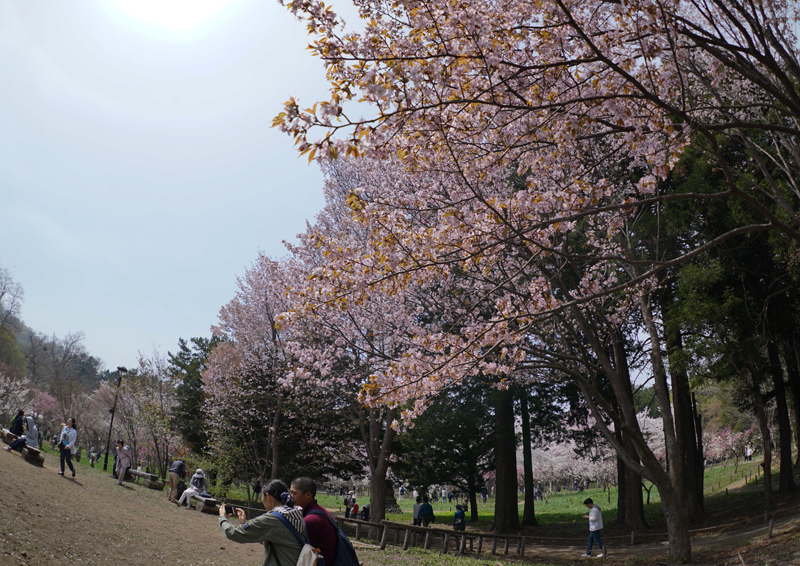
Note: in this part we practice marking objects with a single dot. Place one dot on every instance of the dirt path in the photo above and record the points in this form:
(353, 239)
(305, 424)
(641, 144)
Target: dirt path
(50, 519)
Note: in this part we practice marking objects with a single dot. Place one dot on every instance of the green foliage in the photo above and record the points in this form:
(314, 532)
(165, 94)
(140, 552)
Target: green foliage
(12, 360)
(187, 366)
(451, 442)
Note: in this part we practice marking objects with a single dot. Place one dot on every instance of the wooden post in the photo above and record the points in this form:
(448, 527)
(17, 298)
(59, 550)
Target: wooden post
(521, 546)
(358, 530)
(396, 535)
(632, 533)
(505, 547)
(445, 543)
(384, 535)
(427, 541)
(407, 539)
(771, 524)
(463, 548)
(494, 545)
(480, 545)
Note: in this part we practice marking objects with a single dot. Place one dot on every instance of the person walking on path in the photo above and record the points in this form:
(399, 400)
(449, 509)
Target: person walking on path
(281, 547)
(123, 460)
(415, 512)
(595, 517)
(426, 515)
(177, 471)
(66, 445)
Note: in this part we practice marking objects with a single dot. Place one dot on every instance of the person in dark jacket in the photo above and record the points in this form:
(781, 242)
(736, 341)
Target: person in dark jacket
(177, 471)
(426, 512)
(17, 423)
(460, 519)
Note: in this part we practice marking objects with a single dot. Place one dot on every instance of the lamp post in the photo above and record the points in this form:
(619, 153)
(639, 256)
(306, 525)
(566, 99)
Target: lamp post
(112, 410)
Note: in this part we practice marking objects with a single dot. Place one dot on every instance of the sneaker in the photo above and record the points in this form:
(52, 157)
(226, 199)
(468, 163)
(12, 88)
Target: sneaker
(6, 448)
(60, 473)
(586, 554)
(73, 473)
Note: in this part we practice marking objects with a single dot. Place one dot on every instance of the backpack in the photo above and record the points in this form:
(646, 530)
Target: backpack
(309, 556)
(345, 553)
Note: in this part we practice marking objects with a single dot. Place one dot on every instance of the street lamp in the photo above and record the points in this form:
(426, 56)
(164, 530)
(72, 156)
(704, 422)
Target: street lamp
(112, 410)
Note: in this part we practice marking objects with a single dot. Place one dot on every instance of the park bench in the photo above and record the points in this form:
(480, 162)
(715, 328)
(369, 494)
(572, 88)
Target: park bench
(206, 504)
(29, 453)
(148, 480)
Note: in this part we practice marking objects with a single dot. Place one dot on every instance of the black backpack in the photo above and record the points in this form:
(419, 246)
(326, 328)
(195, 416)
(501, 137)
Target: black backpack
(345, 553)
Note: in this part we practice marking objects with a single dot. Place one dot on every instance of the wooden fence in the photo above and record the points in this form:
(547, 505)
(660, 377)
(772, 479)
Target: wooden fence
(408, 536)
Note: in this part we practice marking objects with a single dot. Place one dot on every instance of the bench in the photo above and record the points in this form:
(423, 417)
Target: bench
(148, 480)
(206, 504)
(29, 453)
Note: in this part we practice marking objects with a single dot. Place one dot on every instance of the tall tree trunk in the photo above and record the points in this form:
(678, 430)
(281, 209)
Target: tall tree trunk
(784, 425)
(622, 513)
(766, 441)
(528, 513)
(506, 510)
(275, 443)
(673, 490)
(473, 505)
(378, 436)
(632, 505)
(790, 353)
(700, 470)
(686, 437)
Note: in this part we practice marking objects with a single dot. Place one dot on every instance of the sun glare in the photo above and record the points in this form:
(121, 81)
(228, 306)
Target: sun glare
(173, 15)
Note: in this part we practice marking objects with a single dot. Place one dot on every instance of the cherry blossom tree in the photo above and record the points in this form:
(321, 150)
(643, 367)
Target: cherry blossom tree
(588, 104)
(14, 395)
(265, 419)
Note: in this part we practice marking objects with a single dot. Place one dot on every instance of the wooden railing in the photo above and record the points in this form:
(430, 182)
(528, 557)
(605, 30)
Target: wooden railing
(465, 541)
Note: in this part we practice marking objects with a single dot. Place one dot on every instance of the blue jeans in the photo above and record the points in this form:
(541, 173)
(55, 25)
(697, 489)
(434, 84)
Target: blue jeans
(594, 536)
(66, 455)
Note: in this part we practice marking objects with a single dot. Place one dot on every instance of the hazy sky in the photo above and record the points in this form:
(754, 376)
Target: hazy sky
(139, 174)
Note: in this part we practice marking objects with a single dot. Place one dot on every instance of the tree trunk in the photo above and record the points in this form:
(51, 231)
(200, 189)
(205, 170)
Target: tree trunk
(506, 510)
(473, 505)
(790, 357)
(275, 444)
(632, 508)
(684, 426)
(378, 437)
(766, 442)
(677, 517)
(784, 425)
(528, 513)
(622, 486)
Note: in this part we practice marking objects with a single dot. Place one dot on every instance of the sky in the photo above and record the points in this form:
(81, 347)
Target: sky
(139, 173)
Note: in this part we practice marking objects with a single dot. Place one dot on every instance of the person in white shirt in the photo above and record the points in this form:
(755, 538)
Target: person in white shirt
(595, 517)
(66, 444)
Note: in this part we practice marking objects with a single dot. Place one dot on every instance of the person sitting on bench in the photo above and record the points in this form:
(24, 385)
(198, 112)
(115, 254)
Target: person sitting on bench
(198, 484)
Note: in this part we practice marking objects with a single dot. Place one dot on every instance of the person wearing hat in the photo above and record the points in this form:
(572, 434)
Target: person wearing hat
(595, 517)
(460, 519)
(198, 484)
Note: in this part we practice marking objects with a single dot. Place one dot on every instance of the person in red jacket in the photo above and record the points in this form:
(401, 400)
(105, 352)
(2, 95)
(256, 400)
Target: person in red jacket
(321, 533)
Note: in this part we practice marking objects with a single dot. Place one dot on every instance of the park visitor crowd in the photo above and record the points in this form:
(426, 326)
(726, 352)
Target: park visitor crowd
(293, 514)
